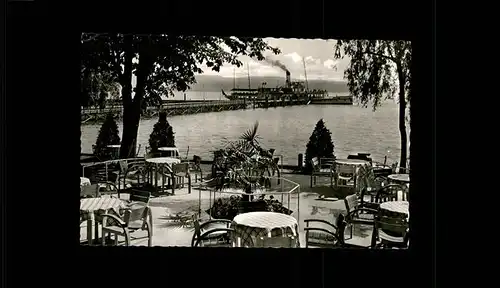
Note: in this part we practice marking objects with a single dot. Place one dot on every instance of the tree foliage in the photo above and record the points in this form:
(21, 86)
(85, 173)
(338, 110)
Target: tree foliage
(320, 144)
(162, 134)
(378, 70)
(108, 135)
(161, 63)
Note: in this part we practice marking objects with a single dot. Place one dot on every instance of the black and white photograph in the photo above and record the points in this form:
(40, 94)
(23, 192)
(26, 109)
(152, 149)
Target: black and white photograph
(215, 141)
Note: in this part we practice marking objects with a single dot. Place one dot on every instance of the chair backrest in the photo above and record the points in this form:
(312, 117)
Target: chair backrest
(276, 242)
(346, 169)
(315, 162)
(139, 195)
(180, 167)
(351, 202)
(388, 193)
(136, 211)
(90, 191)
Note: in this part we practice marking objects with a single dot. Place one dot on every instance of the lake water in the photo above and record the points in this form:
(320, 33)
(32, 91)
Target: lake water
(286, 129)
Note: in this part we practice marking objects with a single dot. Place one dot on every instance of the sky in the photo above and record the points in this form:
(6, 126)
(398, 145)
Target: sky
(318, 54)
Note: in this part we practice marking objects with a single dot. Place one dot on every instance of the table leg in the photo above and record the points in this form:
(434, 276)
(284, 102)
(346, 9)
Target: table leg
(89, 231)
(96, 230)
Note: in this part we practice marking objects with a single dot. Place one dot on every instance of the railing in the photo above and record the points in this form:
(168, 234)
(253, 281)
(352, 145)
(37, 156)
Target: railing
(284, 190)
(203, 104)
(107, 163)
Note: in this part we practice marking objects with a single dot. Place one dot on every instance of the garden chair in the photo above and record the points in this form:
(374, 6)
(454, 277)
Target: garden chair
(389, 193)
(392, 232)
(322, 167)
(370, 184)
(276, 242)
(333, 237)
(357, 213)
(346, 177)
(195, 168)
(204, 235)
(137, 217)
(179, 171)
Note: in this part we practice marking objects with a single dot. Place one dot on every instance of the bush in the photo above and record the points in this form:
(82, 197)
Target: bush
(228, 208)
(162, 135)
(108, 135)
(320, 145)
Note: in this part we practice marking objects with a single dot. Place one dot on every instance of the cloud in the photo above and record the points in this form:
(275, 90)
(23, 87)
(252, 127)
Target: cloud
(330, 64)
(295, 57)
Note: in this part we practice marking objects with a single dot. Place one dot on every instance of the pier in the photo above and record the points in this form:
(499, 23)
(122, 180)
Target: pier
(184, 107)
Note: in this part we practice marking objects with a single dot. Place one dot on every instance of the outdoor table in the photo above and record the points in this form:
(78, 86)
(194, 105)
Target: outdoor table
(84, 182)
(405, 178)
(115, 150)
(249, 226)
(92, 207)
(174, 151)
(168, 161)
(397, 208)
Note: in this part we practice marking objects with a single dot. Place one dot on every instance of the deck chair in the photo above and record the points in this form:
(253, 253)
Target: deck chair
(276, 242)
(217, 236)
(392, 232)
(137, 217)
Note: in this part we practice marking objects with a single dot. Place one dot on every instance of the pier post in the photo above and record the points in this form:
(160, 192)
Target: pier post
(301, 161)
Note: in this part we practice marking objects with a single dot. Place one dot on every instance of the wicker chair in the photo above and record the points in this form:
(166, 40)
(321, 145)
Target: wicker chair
(389, 193)
(179, 171)
(357, 213)
(322, 167)
(276, 242)
(330, 237)
(203, 235)
(393, 232)
(137, 217)
(89, 191)
(346, 177)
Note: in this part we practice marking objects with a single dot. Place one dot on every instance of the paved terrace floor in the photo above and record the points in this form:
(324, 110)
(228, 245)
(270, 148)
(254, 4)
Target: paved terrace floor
(167, 232)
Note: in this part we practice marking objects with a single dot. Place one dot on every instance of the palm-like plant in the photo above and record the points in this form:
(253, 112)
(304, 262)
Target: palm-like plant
(243, 163)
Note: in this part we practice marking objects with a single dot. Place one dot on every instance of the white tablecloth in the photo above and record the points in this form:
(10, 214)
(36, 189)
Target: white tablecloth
(249, 226)
(163, 160)
(351, 162)
(400, 207)
(400, 177)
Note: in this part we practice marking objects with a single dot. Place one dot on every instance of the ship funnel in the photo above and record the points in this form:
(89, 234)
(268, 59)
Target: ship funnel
(287, 79)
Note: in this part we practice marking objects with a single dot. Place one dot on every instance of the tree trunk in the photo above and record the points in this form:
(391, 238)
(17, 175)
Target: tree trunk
(402, 118)
(130, 111)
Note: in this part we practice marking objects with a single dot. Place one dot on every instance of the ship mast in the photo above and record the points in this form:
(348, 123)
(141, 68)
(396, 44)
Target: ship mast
(305, 73)
(248, 71)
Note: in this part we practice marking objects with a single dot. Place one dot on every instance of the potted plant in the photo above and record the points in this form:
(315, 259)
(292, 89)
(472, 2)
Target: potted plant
(244, 165)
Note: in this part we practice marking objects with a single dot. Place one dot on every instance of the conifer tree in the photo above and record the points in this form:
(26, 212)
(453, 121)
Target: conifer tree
(320, 145)
(108, 135)
(162, 135)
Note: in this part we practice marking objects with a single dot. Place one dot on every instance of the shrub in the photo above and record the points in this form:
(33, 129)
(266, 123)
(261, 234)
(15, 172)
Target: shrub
(108, 135)
(162, 135)
(320, 145)
(228, 208)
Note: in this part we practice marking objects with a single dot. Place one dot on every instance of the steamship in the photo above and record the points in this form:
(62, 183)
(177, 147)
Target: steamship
(291, 90)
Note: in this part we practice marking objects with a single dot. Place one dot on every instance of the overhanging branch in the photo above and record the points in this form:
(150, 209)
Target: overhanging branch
(381, 55)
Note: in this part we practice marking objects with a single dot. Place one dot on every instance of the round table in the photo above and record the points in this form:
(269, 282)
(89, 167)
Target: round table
(400, 178)
(249, 226)
(351, 162)
(164, 160)
(92, 207)
(397, 207)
